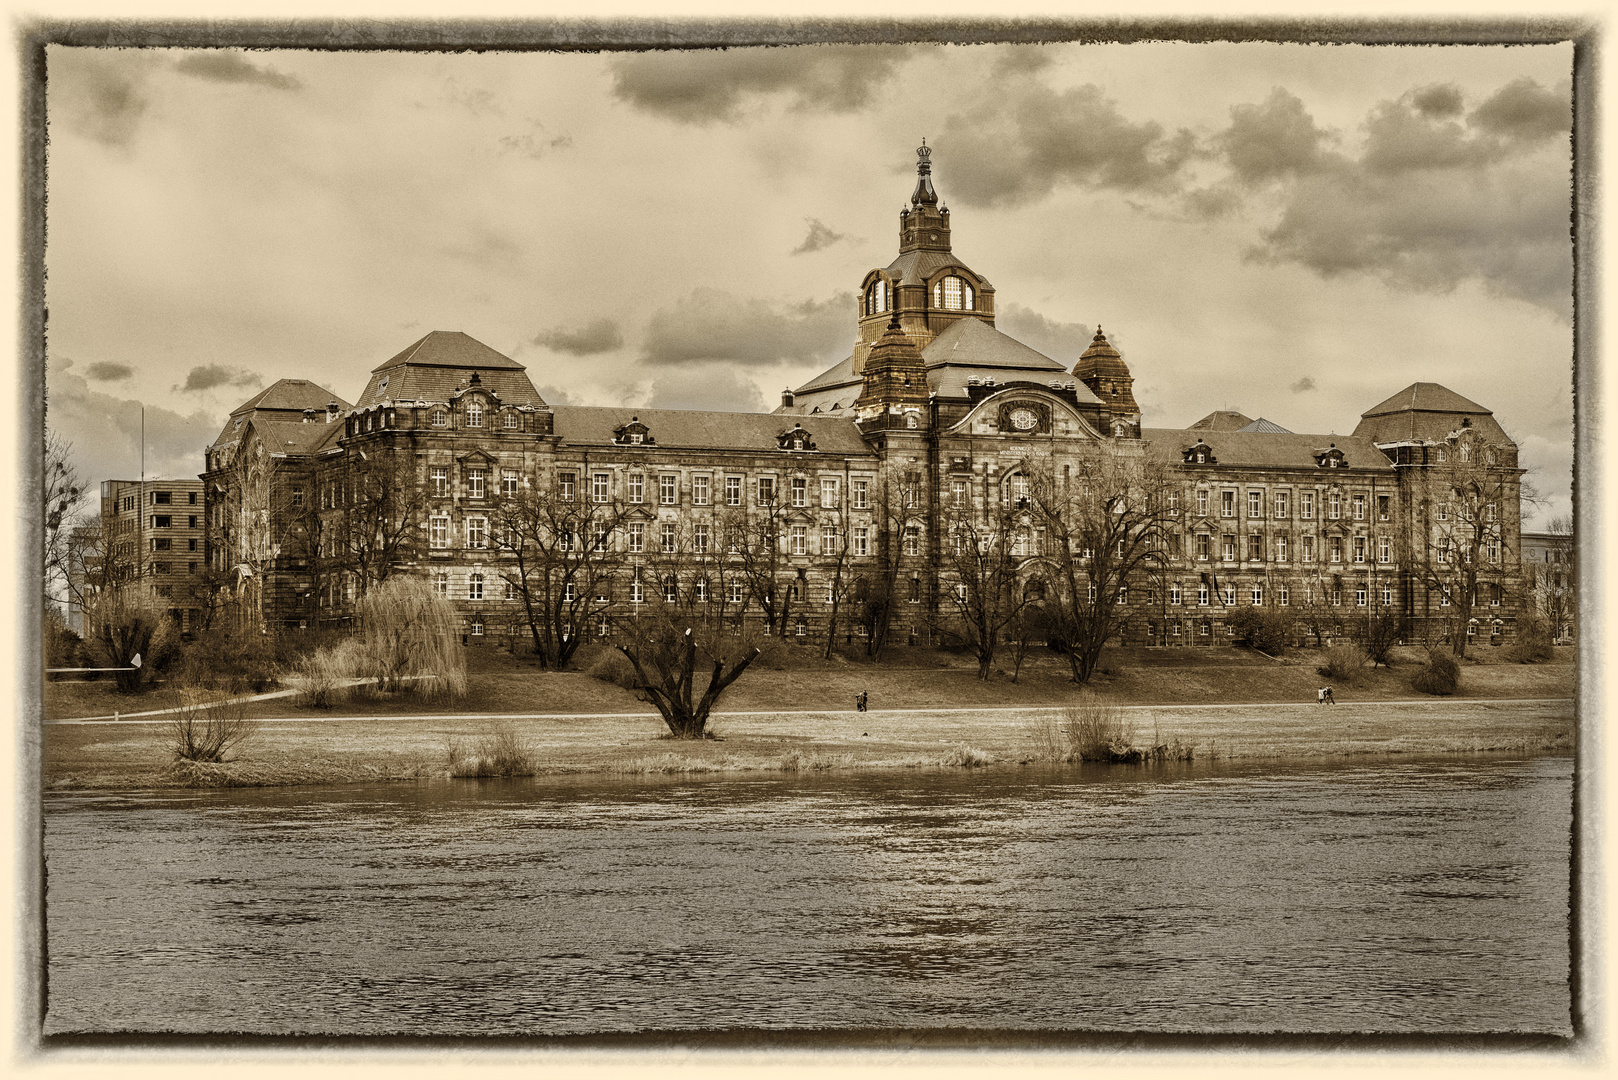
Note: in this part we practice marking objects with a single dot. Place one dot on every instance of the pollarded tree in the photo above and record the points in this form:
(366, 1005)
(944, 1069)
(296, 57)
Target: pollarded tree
(563, 556)
(1108, 520)
(675, 642)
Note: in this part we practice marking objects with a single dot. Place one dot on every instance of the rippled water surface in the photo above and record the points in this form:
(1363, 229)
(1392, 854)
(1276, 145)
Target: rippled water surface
(1422, 896)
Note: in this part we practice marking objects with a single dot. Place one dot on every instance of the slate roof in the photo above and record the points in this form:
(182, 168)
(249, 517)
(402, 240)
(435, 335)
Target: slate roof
(1222, 420)
(682, 429)
(281, 436)
(916, 267)
(965, 348)
(1427, 397)
(440, 364)
(1263, 449)
(451, 348)
(1427, 412)
(1266, 426)
(284, 399)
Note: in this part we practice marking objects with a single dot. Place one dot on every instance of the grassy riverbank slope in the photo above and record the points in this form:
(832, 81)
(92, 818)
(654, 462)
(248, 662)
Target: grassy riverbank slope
(798, 679)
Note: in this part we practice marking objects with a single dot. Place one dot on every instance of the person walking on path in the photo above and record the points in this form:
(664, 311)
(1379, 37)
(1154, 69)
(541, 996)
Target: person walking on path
(1329, 699)
(1320, 696)
(859, 701)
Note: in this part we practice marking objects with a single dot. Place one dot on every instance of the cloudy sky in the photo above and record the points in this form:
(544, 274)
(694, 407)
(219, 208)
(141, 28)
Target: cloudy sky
(1293, 231)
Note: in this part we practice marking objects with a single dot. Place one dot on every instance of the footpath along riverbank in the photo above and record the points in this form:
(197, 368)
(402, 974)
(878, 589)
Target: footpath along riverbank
(314, 749)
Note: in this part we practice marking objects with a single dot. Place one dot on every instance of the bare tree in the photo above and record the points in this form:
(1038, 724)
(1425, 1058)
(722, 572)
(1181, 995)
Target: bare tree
(563, 560)
(1108, 519)
(897, 513)
(673, 643)
(1460, 541)
(64, 495)
(756, 537)
(983, 553)
(1553, 585)
(382, 498)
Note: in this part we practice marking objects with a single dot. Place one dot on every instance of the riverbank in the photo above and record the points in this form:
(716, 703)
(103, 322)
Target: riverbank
(359, 748)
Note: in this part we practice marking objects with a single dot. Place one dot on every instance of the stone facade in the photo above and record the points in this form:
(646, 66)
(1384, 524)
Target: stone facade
(849, 490)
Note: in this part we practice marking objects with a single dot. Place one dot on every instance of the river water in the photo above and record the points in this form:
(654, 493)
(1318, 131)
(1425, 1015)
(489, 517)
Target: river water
(1422, 896)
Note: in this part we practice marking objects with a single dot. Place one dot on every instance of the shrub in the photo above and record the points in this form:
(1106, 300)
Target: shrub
(1533, 644)
(1045, 731)
(967, 756)
(325, 676)
(207, 725)
(127, 622)
(1441, 676)
(499, 751)
(614, 667)
(1265, 629)
(232, 659)
(1096, 729)
(1343, 664)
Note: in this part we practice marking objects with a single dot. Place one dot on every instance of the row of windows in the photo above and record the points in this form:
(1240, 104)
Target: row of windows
(667, 538)
(1334, 548)
(951, 293)
(667, 489)
(166, 521)
(1334, 504)
(164, 543)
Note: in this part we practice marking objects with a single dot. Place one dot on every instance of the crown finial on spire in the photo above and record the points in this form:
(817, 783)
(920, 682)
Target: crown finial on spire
(924, 181)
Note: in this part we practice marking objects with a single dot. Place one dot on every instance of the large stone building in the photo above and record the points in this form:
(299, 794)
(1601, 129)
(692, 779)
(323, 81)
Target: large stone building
(853, 496)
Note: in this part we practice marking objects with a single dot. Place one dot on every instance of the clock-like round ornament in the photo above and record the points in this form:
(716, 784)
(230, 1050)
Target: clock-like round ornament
(1024, 419)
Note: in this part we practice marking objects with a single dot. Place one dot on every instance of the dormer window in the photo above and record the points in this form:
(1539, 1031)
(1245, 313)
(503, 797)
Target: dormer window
(953, 294)
(633, 433)
(1331, 458)
(512, 421)
(1199, 453)
(474, 414)
(796, 439)
(382, 384)
(876, 297)
(440, 418)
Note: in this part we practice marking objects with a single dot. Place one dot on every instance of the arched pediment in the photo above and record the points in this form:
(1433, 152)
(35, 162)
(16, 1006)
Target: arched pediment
(1024, 409)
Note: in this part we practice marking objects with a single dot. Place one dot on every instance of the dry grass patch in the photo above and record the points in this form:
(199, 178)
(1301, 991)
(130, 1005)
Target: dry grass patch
(499, 751)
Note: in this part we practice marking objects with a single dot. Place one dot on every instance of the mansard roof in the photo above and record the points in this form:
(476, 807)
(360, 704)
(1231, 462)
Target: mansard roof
(1263, 450)
(284, 400)
(1427, 397)
(681, 429)
(450, 348)
(440, 365)
(975, 343)
(289, 395)
(1428, 412)
(286, 437)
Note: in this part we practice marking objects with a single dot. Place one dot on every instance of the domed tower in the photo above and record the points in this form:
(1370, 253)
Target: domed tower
(1102, 369)
(927, 287)
(894, 394)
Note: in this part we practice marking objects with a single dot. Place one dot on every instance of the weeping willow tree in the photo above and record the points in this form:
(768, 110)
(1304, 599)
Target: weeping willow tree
(412, 639)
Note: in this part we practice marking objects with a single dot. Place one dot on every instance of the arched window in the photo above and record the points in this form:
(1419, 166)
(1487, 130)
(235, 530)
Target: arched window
(511, 421)
(876, 297)
(474, 414)
(953, 294)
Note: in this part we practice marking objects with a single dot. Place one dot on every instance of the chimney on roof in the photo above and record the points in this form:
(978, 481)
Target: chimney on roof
(331, 411)
(787, 399)
(308, 416)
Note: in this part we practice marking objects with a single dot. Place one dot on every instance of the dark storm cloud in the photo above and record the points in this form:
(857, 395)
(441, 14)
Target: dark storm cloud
(820, 236)
(1433, 202)
(1027, 138)
(99, 93)
(108, 372)
(700, 87)
(1440, 99)
(232, 67)
(1523, 109)
(1273, 140)
(106, 431)
(708, 386)
(1060, 341)
(710, 324)
(600, 336)
(1303, 385)
(209, 376)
